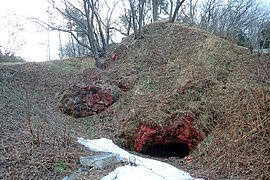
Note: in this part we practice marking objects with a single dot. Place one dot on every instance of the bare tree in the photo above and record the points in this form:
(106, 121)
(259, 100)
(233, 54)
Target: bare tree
(236, 20)
(174, 15)
(11, 42)
(107, 23)
(188, 13)
(86, 25)
(155, 4)
(264, 36)
(209, 13)
(89, 13)
(141, 17)
(134, 17)
(124, 23)
(137, 20)
(224, 19)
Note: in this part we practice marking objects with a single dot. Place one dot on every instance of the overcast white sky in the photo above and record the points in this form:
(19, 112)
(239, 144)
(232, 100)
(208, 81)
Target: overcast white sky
(35, 48)
(14, 12)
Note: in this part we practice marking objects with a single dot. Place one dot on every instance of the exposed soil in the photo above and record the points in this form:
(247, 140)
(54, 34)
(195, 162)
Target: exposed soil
(174, 71)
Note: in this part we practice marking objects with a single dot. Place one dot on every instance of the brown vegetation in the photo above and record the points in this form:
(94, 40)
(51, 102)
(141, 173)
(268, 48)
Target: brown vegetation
(181, 69)
(174, 69)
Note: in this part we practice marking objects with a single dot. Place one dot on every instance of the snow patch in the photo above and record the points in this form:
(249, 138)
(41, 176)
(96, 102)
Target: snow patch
(139, 168)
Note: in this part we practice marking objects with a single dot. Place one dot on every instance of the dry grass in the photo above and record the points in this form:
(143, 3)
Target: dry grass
(181, 69)
(37, 141)
(238, 147)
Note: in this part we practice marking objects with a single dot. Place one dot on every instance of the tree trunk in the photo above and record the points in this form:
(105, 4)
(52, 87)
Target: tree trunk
(178, 5)
(155, 10)
(133, 14)
(73, 46)
(104, 43)
(141, 16)
(61, 54)
(129, 18)
(191, 12)
(171, 10)
(90, 30)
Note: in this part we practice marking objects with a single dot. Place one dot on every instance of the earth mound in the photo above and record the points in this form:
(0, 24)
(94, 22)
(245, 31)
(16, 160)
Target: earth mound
(186, 89)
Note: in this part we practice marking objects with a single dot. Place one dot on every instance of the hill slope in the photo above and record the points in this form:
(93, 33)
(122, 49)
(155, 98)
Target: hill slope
(176, 69)
(179, 88)
(37, 140)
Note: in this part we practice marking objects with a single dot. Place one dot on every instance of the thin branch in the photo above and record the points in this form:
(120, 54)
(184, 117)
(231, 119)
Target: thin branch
(52, 28)
(118, 30)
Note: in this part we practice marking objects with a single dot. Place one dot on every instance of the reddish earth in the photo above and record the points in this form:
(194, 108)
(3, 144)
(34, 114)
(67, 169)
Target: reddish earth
(118, 53)
(124, 84)
(127, 83)
(183, 133)
(87, 100)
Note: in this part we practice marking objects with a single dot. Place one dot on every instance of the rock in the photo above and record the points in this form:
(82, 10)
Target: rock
(127, 83)
(85, 101)
(118, 53)
(101, 161)
(76, 174)
(176, 139)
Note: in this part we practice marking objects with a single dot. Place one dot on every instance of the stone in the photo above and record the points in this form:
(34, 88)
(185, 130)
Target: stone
(87, 100)
(127, 83)
(76, 174)
(176, 139)
(100, 161)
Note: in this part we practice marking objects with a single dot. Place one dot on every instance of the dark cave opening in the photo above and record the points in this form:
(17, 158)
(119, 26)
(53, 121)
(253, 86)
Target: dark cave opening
(180, 150)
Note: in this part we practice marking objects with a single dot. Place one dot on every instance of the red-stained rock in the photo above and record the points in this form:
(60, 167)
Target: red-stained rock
(183, 132)
(123, 84)
(87, 100)
(144, 134)
(127, 83)
(116, 54)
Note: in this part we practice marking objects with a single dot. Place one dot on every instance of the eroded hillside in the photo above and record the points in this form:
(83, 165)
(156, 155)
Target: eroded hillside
(178, 91)
(181, 87)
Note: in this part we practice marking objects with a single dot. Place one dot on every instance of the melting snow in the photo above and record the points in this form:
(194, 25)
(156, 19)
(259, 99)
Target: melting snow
(139, 168)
